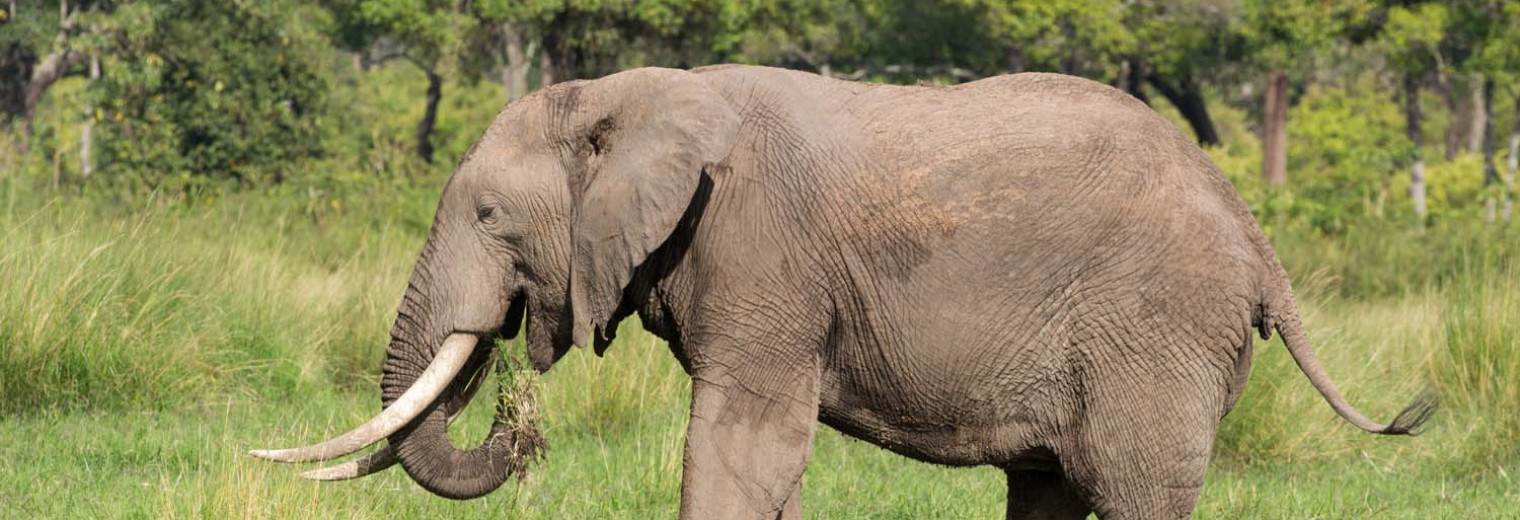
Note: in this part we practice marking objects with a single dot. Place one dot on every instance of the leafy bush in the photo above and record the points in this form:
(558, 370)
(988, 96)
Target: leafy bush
(210, 91)
(1345, 150)
(1455, 188)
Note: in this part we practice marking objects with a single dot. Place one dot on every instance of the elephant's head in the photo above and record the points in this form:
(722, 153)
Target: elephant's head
(542, 226)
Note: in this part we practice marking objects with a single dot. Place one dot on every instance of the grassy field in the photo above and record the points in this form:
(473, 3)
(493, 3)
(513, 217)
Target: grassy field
(143, 351)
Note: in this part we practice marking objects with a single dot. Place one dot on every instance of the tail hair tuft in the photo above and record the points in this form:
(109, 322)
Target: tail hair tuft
(1410, 420)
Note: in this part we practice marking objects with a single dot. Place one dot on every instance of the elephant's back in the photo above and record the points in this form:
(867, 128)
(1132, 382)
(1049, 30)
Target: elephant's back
(1045, 159)
(1016, 176)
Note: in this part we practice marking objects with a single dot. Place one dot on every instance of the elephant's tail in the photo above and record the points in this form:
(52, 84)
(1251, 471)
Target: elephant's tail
(1283, 316)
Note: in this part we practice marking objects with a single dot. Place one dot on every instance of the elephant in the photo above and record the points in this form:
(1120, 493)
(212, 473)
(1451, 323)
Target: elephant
(1034, 272)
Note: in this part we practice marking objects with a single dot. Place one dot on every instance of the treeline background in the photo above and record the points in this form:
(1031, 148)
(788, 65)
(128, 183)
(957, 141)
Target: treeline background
(209, 210)
(1322, 111)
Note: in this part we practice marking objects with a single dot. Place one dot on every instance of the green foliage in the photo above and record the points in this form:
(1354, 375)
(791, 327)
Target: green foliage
(369, 135)
(427, 31)
(201, 92)
(812, 33)
(1500, 55)
(1347, 155)
(1179, 38)
(989, 36)
(1413, 35)
(1345, 151)
(1281, 33)
(1456, 187)
(1049, 33)
(25, 35)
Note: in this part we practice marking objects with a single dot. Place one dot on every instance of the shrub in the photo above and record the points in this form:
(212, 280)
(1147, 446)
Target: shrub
(201, 92)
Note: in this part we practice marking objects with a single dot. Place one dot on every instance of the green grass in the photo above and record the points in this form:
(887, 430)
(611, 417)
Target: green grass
(143, 351)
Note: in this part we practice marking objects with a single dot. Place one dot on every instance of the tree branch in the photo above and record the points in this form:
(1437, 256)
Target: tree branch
(52, 68)
(1189, 102)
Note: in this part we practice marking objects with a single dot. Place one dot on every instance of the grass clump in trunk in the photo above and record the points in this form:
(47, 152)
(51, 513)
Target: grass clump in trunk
(517, 405)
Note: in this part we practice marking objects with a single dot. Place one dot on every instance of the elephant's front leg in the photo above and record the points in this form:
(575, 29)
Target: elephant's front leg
(750, 436)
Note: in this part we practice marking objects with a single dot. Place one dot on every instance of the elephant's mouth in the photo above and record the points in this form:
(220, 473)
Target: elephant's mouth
(541, 318)
(546, 336)
(516, 314)
(545, 342)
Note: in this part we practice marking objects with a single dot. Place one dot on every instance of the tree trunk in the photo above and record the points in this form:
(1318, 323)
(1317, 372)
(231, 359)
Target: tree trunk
(506, 83)
(1490, 173)
(545, 68)
(1477, 121)
(1131, 79)
(1015, 60)
(52, 69)
(557, 59)
(1455, 112)
(1186, 95)
(1072, 63)
(429, 117)
(1514, 161)
(47, 72)
(16, 63)
(17, 59)
(1412, 121)
(1274, 161)
(86, 134)
(514, 76)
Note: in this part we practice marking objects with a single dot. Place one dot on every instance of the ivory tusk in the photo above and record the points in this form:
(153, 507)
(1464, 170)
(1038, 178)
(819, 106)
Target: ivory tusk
(383, 458)
(445, 366)
(375, 462)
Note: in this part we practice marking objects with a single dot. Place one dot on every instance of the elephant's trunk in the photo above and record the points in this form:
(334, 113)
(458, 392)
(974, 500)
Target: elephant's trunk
(422, 446)
(450, 359)
(433, 366)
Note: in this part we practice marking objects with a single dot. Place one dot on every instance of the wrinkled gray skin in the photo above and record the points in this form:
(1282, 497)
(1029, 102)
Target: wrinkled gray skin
(1033, 271)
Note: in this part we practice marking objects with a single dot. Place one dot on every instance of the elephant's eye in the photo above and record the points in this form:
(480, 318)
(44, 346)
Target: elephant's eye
(486, 214)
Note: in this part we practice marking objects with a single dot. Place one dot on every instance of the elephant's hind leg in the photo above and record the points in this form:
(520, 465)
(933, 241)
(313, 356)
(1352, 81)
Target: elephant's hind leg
(1043, 495)
(1143, 458)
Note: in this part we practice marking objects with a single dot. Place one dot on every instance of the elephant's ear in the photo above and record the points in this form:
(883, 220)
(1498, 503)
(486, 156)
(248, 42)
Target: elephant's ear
(635, 148)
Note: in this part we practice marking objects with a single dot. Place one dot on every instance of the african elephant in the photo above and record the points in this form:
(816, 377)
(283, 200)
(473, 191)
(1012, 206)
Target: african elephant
(1034, 272)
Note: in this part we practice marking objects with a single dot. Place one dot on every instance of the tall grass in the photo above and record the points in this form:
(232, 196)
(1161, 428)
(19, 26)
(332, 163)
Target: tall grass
(1378, 259)
(1478, 364)
(153, 308)
(1393, 315)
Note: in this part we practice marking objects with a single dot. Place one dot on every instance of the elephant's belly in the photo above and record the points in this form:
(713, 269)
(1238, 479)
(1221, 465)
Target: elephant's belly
(971, 435)
(931, 370)
(1009, 444)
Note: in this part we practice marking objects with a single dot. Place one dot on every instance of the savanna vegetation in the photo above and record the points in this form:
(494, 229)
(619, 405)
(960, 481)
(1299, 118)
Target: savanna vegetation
(208, 211)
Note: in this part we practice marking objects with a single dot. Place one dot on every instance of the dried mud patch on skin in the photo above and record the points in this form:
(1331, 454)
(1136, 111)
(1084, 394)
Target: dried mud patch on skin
(517, 404)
